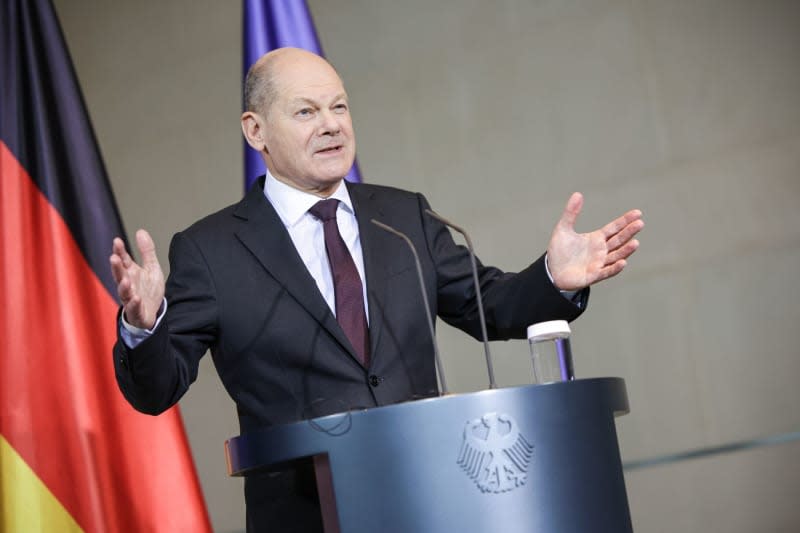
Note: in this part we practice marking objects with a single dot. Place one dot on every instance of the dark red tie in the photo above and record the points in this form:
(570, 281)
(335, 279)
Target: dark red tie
(347, 288)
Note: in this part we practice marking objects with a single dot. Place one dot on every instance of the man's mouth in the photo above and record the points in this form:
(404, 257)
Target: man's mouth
(330, 150)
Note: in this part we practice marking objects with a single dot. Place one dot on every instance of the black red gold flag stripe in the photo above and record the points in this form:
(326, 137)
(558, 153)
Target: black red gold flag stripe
(74, 456)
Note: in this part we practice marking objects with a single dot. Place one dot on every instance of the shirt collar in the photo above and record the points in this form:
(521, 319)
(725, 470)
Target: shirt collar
(292, 204)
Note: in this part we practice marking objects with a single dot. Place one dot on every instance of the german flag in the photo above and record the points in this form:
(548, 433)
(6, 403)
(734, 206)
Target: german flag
(74, 456)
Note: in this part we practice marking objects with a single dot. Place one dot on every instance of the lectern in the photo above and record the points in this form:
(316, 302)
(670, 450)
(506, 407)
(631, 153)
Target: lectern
(537, 458)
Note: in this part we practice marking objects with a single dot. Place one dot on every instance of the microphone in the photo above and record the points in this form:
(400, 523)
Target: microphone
(438, 360)
(473, 263)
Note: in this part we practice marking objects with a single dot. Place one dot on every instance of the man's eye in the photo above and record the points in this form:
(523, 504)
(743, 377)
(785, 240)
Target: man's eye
(305, 112)
(341, 108)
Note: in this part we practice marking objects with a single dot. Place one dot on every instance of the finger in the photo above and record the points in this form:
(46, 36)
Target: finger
(617, 224)
(117, 270)
(625, 235)
(571, 211)
(118, 248)
(623, 252)
(125, 290)
(609, 271)
(147, 248)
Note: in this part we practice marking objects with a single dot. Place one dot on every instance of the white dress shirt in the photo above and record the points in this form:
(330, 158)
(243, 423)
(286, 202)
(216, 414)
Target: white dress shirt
(308, 236)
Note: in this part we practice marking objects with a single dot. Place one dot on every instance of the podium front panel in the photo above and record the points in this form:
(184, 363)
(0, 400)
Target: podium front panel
(522, 459)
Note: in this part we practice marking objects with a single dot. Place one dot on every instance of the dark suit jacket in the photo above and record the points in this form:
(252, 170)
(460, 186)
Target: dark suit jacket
(238, 287)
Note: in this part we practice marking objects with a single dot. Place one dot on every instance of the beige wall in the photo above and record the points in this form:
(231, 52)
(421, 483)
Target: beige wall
(689, 110)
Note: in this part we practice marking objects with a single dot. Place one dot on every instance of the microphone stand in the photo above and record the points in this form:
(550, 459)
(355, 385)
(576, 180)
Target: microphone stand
(478, 296)
(439, 368)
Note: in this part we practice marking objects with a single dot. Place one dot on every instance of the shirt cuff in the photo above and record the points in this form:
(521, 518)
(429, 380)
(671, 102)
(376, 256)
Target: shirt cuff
(133, 336)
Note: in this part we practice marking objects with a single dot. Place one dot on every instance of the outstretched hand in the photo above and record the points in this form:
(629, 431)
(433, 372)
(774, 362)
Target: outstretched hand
(577, 260)
(140, 288)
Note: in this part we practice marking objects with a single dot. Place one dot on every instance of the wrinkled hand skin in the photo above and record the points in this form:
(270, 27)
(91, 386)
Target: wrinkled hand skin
(578, 260)
(140, 287)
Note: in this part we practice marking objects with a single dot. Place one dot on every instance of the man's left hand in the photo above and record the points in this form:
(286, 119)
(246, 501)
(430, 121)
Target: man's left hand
(577, 260)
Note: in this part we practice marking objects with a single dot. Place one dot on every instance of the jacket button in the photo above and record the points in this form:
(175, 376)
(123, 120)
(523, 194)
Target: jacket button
(375, 380)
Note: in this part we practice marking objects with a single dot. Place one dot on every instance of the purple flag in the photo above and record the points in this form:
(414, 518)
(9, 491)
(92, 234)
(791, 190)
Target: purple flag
(270, 24)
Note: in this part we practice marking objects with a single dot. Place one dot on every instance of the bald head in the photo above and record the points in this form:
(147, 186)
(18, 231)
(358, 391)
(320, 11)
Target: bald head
(263, 81)
(298, 119)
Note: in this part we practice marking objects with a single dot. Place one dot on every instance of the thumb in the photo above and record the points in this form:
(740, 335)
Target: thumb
(147, 249)
(571, 211)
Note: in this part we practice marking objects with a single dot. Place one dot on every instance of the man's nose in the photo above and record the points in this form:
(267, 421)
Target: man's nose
(329, 123)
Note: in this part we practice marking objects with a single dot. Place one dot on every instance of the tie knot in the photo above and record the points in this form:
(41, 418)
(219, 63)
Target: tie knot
(325, 209)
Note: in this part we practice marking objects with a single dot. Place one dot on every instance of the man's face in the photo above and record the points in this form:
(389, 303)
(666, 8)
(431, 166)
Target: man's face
(308, 133)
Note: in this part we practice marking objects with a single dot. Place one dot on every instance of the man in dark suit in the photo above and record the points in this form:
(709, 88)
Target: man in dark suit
(308, 313)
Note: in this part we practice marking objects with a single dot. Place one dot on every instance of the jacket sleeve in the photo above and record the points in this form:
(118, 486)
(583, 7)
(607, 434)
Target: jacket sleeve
(512, 301)
(155, 374)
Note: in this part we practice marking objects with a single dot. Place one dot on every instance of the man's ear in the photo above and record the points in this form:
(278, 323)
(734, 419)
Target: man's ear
(253, 130)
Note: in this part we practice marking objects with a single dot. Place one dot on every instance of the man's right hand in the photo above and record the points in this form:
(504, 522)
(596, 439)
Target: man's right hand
(140, 288)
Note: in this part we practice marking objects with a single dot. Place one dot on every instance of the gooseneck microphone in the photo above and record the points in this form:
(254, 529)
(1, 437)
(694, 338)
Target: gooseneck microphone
(478, 297)
(438, 361)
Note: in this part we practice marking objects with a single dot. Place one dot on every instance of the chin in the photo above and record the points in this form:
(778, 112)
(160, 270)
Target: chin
(332, 174)
(325, 180)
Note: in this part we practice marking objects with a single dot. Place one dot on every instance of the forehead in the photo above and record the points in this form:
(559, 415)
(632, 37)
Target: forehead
(307, 80)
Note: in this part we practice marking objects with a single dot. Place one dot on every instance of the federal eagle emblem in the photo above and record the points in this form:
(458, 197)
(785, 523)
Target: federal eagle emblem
(494, 454)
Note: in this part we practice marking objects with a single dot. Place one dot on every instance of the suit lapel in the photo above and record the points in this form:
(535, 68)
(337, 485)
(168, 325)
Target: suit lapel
(267, 239)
